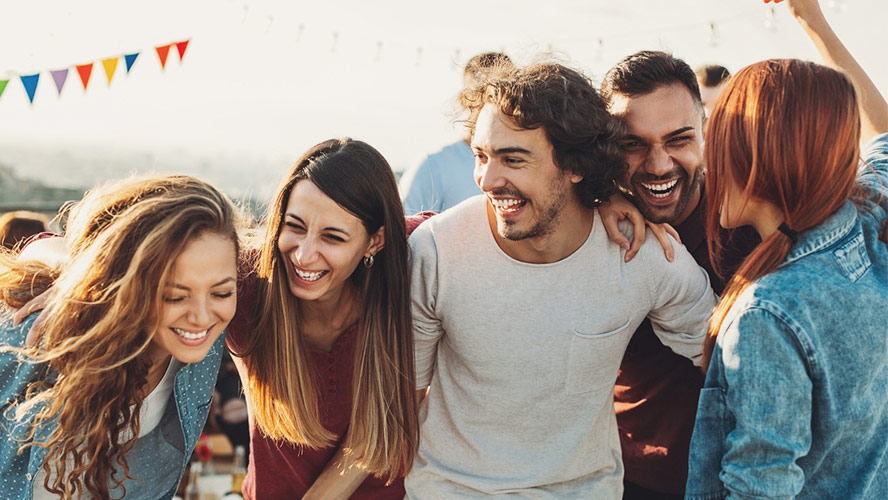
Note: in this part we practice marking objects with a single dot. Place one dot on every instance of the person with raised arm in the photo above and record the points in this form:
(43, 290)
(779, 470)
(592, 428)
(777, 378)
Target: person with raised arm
(794, 400)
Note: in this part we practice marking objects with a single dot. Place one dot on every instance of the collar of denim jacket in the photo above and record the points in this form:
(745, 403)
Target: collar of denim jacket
(834, 228)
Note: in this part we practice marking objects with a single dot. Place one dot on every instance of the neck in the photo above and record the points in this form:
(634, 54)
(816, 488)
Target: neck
(766, 218)
(324, 320)
(571, 230)
(692, 205)
(159, 363)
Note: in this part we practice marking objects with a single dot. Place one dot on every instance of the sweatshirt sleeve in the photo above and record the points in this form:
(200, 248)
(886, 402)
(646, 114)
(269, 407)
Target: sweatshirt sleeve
(682, 299)
(427, 329)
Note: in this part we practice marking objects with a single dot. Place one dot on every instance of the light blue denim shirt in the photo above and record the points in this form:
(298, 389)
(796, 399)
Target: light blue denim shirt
(795, 402)
(158, 459)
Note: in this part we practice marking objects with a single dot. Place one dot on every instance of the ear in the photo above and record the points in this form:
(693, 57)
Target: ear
(575, 178)
(377, 241)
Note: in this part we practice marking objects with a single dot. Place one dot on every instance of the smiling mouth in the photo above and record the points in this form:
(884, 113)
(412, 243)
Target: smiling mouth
(507, 205)
(191, 335)
(309, 276)
(661, 190)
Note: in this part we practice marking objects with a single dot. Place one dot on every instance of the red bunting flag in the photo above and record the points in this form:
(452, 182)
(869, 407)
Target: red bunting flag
(84, 70)
(162, 52)
(181, 46)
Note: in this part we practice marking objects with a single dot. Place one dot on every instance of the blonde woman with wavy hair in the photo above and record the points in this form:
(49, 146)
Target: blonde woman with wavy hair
(323, 334)
(111, 399)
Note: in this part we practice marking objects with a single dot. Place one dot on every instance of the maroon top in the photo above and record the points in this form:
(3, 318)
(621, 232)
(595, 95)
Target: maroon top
(282, 471)
(656, 392)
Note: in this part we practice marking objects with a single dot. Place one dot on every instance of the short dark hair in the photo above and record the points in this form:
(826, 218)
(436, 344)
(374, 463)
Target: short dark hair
(711, 75)
(646, 71)
(574, 117)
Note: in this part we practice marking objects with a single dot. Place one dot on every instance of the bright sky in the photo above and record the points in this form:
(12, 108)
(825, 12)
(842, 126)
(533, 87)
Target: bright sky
(262, 81)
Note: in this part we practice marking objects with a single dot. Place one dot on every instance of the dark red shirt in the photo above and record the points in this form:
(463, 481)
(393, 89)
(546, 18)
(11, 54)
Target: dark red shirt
(656, 392)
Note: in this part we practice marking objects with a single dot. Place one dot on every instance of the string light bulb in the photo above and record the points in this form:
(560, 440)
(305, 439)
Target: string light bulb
(771, 19)
(711, 35)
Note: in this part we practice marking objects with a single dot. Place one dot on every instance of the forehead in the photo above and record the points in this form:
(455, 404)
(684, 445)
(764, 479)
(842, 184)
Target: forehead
(207, 258)
(658, 113)
(312, 205)
(494, 130)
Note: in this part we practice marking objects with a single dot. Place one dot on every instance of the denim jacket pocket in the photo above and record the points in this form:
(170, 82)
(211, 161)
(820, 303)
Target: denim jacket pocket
(708, 446)
(595, 359)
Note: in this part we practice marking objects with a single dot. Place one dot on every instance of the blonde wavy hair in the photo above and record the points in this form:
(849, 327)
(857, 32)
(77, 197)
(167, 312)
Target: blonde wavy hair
(123, 239)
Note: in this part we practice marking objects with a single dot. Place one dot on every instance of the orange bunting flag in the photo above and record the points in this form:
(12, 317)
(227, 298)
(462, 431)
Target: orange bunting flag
(110, 66)
(181, 46)
(84, 70)
(162, 52)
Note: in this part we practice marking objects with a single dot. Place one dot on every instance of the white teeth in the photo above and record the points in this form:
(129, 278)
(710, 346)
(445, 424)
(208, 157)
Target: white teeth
(507, 205)
(308, 276)
(660, 190)
(189, 335)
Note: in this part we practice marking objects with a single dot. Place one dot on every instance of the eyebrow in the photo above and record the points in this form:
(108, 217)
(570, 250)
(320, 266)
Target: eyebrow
(670, 135)
(329, 228)
(214, 285)
(505, 151)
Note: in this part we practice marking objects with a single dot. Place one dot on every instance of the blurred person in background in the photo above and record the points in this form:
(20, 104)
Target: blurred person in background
(16, 227)
(712, 79)
(445, 178)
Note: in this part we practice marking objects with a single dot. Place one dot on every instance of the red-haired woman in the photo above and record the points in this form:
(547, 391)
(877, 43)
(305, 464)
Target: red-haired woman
(794, 400)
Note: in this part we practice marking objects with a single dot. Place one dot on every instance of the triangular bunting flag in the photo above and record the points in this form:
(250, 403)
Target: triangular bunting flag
(59, 77)
(181, 46)
(3, 86)
(110, 65)
(30, 83)
(130, 60)
(162, 52)
(84, 70)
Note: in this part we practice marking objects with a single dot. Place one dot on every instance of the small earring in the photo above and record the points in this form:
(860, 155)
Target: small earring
(368, 261)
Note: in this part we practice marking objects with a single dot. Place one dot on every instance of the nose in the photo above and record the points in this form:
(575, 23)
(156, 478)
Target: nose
(200, 313)
(487, 176)
(305, 251)
(658, 161)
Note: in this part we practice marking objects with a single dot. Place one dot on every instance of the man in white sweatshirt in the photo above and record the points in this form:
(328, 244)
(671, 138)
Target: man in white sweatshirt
(523, 307)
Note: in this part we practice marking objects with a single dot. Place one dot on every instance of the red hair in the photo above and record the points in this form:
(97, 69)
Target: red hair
(787, 132)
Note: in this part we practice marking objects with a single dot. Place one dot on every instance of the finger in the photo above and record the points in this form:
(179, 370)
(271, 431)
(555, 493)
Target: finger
(672, 232)
(612, 228)
(662, 236)
(36, 329)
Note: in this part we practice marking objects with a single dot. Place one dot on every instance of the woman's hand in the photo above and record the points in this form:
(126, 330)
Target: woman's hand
(36, 304)
(619, 208)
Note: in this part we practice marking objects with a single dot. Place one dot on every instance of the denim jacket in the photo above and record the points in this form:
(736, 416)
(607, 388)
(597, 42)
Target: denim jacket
(795, 404)
(159, 458)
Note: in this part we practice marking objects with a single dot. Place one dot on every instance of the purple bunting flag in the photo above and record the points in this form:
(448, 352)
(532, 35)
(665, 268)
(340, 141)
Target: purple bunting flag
(59, 77)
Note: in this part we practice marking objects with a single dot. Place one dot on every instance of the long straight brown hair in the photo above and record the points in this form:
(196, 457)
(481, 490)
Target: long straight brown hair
(384, 431)
(787, 132)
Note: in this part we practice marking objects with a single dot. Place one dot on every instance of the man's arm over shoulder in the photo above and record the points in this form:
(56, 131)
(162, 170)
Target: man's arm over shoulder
(427, 329)
(682, 299)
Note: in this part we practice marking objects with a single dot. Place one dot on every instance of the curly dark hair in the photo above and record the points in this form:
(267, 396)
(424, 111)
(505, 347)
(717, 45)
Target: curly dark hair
(565, 104)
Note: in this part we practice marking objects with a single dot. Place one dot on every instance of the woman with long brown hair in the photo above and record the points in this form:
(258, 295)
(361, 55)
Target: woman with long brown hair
(794, 400)
(111, 399)
(323, 338)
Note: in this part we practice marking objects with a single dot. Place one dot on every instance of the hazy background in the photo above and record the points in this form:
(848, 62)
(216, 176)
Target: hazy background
(263, 80)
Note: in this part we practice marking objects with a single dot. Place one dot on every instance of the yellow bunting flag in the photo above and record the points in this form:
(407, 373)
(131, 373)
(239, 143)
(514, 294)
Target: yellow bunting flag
(110, 66)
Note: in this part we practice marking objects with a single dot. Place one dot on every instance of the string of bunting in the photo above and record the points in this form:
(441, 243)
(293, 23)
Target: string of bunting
(84, 71)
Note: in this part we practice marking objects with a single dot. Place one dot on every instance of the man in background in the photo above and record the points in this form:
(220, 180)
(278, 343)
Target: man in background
(444, 178)
(712, 79)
